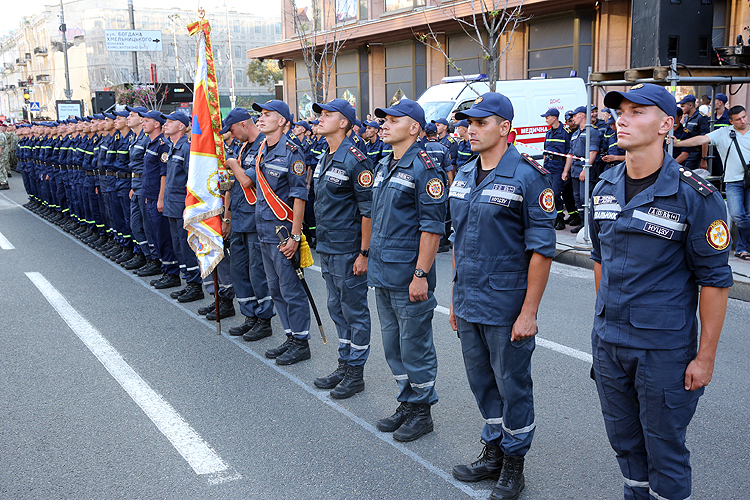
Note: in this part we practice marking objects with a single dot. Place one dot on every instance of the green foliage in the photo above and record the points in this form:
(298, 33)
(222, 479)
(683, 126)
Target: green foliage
(264, 73)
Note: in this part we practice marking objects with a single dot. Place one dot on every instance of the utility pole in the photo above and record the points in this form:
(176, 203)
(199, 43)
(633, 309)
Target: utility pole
(135, 54)
(63, 29)
(232, 97)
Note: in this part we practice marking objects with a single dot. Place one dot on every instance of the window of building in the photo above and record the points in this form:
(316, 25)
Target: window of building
(304, 92)
(404, 71)
(721, 21)
(125, 75)
(98, 23)
(350, 10)
(560, 45)
(120, 21)
(145, 22)
(237, 52)
(347, 78)
(236, 27)
(258, 27)
(103, 75)
(172, 75)
(239, 77)
(466, 55)
(277, 28)
(391, 5)
(100, 48)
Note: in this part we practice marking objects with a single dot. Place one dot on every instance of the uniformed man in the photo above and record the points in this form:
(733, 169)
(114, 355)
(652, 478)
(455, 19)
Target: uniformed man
(175, 191)
(4, 159)
(596, 122)
(281, 177)
(721, 120)
(343, 193)
(246, 263)
(437, 151)
(613, 153)
(408, 219)
(464, 144)
(140, 225)
(504, 210)
(557, 140)
(660, 246)
(446, 140)
(574, 169)
(695, 124)
(374, 144)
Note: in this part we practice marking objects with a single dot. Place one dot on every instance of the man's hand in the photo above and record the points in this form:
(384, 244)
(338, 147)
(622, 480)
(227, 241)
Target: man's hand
(225, 228)
(452, 319)
(160, 205)
(698, 373)
(704, 164)
(360, 265)
(582, 177)
(289, 248)
(96, 190)
(524, 327)
(130, 194)
(418, 289)
(565, 174)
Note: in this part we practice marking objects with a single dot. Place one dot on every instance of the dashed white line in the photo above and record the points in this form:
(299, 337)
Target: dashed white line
(5, 244)
(189, 444)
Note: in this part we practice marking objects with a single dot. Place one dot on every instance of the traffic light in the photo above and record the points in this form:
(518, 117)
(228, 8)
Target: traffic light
(26, 97)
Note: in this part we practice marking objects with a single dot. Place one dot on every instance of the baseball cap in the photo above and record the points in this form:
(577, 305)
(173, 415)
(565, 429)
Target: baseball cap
(611, 120)
(314, 122)
(490, 103)
(579, 109)
(237, 115)
(338, 105)
(568, 114)
(686, 99)
(373, 124)
(122, 113)
(430, 128)
(440, 120)
(136, 109)
(647, 94)
(463, 123)
(551, 112)
(182, 117)
(722, 97)
(109, 115)
(404, 107)
(155, 115)
(275, 105)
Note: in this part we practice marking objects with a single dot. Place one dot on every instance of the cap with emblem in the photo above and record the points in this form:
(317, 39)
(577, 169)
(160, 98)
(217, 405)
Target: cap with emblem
(646, 94)
(463, 123)
(551, 112)
(274, 105)
(430, 129)
(688, 98)
(303, 123)
(722, 97)
(611, 120)
(122, 113)
(181, 117)
(136, 109)
(442, 121)
(373, 124)
(404, 107)
(109, 115)
(237, 115)
(154, 115)
(568, 114)
(491, 103)
(579, 109)
(337, 106)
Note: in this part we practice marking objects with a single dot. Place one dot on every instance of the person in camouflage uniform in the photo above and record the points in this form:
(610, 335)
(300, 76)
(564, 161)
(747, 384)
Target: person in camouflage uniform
(4, 158)
(13, 139)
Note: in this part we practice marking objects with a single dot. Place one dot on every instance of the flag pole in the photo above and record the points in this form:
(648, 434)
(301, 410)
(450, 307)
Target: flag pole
(216, 301)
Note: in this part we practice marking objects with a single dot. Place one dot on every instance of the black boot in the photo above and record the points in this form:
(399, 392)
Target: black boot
(511, 481)
(151, 269)
(226, 310)
(278, 351)
(417, 424)
(136, 262)
(125, 256)
(260, 330)
(577, 228)
(351, 385)
(194, 292)
(177, 293)
(574, 220)
(245, 327)
(299, 350)
(487, 466)
(333, 379)
(167, 281)
(205, 309)
(390, 424)
(559, 223)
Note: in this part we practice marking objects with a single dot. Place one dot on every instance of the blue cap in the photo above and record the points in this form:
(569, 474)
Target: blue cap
(722, 97)
(314, 122)
(463, 123)
(237, 115)
(338, 105)
(373, 124)
(303, 123)
(122, 113)
(155, 115)
(686, 99)
(491, 103)
(646, 94)
(85, 119)
(109, 115)
(430, 128)
(275, 105)
(357, 122)
(404, 107)
(136, 109)
(551, 112)
(182, 117)
(611, 120)
(441, 121)
(98, 116)
(579, 109)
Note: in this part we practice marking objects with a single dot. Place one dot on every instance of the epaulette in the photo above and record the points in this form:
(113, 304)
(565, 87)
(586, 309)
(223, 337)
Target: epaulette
(161, 141)
(567, 129)
(292, 146)
(426, 159)
(357, 153)
(531, 161)
(451, 139)
(696, 182)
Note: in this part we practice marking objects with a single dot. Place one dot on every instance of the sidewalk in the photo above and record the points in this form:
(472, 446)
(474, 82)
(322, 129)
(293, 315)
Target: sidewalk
(570, 252)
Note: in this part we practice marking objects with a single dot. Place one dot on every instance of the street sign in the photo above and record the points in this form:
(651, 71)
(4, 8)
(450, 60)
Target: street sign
(34, 107)
(133, 40)
(66, 109)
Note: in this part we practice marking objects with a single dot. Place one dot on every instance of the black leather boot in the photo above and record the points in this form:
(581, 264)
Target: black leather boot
(278, 351)
(511, 481)
(137, 262)
(417, 424)
(245, 327)
(299, 350)
(260, 330)
(487, 466)
(177, 293)
(333, 379)
(559, 223)
(352, 384)
(205, 309)
(575, 220)
(226, 310)
(194, 292)
(167, 281)
(390, 424)
(151, 269)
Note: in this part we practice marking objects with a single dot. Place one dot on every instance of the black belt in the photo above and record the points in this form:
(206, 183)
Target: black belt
(122, 175)
(137, 176)
(110, 172)
(92, 172)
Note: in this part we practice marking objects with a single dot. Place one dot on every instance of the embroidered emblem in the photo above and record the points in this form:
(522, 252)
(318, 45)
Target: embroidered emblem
(547, 200)
(365, 178)
(478, 100)
(718, 235)
(298, 167)
(164, 157)
(636, 87)
(435, 188)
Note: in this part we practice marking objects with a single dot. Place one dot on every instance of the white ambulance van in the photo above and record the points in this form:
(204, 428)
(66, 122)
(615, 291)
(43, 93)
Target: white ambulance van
(530, 99)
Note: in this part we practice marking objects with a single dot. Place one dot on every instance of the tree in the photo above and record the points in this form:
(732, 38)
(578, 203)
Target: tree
(264, 73)
(485, 24)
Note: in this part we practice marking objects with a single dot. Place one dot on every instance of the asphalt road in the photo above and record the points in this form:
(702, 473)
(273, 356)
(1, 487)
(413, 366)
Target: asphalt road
(110, 389)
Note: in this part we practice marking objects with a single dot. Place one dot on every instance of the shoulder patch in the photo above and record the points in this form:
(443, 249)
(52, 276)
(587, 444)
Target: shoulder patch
(696, 182)
(717, 235)
(357, 153)
(531, 161)
(426, 159)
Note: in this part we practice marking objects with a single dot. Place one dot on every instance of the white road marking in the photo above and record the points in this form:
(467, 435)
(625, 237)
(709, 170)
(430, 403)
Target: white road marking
(5, 244)
(186, 441)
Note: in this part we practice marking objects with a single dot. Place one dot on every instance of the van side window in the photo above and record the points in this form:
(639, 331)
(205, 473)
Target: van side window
(464, 105)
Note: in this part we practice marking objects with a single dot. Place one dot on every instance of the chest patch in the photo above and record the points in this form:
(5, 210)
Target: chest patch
(274, 173)
(664, 214)
(718, 235)
(504, 187)
(604, 200)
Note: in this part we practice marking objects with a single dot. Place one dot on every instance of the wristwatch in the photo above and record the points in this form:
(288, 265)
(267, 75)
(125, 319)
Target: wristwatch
(226, 220)
(365, 253)
(296, 237)
(420, 273)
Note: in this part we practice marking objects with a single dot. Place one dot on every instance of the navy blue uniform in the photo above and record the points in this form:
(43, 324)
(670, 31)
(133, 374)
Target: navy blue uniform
(140, 225)
(452, 145)
(154, 168)
(498, 224)
(695, 125)
(375, 150)
(464, 153)
(654, 251)
(578, 148)
(407, 200)
(557, 140)
(343, 194)
(438, 153)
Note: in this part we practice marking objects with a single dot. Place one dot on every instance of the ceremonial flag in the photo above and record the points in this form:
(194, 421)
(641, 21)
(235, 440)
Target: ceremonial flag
(204, 203)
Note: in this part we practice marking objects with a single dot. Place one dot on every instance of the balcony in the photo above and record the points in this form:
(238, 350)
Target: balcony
(8, 67)
(40, 51)
(22, 84)
(42, 78)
